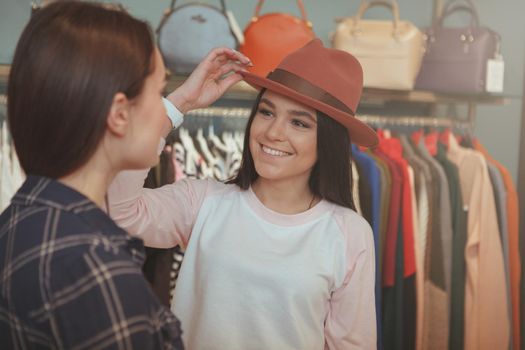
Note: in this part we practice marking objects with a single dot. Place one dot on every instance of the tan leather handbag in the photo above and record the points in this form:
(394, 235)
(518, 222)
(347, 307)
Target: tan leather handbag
(270, 37)
(389, 51)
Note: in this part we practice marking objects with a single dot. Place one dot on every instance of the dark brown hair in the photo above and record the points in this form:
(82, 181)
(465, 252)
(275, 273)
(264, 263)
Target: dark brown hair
(331, 176)
(71, 60)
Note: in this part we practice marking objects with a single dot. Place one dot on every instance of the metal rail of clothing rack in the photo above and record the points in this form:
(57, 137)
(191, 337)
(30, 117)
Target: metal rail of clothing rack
(416, 121)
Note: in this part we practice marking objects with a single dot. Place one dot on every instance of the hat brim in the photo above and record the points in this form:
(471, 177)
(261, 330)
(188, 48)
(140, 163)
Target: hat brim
(359, 132)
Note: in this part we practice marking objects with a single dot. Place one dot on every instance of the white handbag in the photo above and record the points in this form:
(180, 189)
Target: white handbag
(390, 52)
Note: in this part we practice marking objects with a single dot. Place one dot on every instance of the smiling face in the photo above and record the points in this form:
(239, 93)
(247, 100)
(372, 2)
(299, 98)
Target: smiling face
(283, 139)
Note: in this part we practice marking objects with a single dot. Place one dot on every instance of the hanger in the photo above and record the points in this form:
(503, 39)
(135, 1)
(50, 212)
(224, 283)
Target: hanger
(203, 144)
(239, 138)
(431, 141)
(191, 160)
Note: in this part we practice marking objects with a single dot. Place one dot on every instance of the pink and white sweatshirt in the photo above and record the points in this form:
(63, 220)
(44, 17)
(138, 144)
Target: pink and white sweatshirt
(253, 278)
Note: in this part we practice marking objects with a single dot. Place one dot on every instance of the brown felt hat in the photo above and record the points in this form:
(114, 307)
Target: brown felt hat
(325, 79)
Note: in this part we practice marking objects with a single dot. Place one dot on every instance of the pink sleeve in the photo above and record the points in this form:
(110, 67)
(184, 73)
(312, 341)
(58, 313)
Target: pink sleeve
(162, 217)
(351, 319)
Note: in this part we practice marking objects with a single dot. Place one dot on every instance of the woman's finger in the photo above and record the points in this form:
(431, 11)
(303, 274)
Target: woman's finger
(223, 53)
(231, 66)
(229, 81)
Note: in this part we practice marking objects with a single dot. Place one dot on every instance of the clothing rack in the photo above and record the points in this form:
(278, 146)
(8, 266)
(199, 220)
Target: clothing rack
(226, 112)
(378, 120)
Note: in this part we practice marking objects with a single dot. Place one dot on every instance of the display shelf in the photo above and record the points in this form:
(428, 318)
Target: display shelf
(370, 94)
(243, 91)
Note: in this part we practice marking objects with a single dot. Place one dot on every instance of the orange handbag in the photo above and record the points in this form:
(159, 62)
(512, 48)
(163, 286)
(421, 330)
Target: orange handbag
(271, 37)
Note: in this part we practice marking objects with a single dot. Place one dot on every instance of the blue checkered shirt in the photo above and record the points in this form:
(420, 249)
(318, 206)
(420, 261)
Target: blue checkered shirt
(70, 278)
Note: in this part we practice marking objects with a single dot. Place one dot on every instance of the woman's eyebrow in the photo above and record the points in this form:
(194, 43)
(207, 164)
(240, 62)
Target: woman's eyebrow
(299, 113)
(294, 112)
(268, 102)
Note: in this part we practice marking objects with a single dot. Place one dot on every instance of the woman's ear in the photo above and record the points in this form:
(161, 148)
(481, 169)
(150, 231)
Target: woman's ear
(118, 117)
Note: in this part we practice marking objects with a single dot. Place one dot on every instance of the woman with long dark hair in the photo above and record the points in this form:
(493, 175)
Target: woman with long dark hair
(84, 103)
(277, 258)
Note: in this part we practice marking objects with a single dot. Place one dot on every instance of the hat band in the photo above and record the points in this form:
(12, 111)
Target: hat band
(306, 88)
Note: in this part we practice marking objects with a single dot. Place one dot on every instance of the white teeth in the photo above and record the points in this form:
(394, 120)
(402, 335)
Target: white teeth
(274, 152)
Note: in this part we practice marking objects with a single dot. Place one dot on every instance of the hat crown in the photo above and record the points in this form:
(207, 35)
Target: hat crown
(336, 72)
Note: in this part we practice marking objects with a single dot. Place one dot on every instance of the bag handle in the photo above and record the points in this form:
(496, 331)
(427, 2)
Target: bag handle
(452, 3)
(223, 5)
(459, 6)
(365, 5)
(299, 4)
(474, 19)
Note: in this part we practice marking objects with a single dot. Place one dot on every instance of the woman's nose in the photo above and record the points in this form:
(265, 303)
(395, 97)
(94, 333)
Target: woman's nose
(276, 130)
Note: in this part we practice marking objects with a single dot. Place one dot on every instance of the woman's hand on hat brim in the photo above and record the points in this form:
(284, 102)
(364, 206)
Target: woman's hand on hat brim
(216, 73)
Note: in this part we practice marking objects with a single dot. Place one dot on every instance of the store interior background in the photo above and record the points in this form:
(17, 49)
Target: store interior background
(497, 127)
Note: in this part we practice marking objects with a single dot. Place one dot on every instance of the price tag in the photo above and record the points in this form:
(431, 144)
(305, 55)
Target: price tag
(495, 74)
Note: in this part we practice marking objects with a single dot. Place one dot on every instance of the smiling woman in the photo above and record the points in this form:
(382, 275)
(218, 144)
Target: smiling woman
(277, 258)
(315, 134)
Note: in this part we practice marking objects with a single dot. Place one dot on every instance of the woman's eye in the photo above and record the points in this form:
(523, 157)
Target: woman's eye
(265, 112)
(300, 123)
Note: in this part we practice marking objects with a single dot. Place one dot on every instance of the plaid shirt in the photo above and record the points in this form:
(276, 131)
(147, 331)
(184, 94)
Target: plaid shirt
(70, 278)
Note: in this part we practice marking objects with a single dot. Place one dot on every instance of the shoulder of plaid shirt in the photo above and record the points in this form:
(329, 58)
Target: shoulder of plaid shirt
(71, 278)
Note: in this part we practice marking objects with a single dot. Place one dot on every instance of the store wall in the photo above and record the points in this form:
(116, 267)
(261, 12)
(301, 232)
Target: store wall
(498, 127)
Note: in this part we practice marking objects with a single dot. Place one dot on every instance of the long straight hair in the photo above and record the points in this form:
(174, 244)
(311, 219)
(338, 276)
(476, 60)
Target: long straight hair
(331, 176)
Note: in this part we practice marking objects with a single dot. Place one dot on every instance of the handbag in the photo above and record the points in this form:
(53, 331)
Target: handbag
(188, 32)
(456, 58)
(390, 52)
(271, 37)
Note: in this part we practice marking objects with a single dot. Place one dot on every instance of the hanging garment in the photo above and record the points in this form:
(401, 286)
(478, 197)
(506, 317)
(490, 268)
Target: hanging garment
(399, 262)
(436, 298)
(459, 239)
(486, 315)
(7, 189)
(419, 282)
(445, 212)
(355, 188)
(513, 236)
(386, 187)
(500, 199)
(420, 198)
(370, 192)
(392, 147)
(361, 189)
